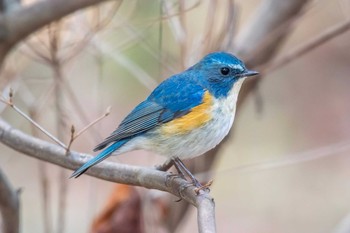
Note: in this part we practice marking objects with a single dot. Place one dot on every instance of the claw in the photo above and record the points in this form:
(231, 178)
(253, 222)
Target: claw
(204, 187)
(182, 172)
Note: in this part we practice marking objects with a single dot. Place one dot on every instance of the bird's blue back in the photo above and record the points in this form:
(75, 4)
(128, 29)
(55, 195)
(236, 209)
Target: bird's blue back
(173, 98)
(177, 95)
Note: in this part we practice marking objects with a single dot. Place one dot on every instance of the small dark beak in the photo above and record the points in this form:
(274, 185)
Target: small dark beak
(248, 73)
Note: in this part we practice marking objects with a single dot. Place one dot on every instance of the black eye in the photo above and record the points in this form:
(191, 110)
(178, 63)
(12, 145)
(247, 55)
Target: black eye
(225, 70)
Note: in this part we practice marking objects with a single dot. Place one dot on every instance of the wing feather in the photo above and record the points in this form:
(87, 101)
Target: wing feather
(160, 107)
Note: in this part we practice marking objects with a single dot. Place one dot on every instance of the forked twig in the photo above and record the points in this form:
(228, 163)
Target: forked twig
(75, 136)
(10, 103)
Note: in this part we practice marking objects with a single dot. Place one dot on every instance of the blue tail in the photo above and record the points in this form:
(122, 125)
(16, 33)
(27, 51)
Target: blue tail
(101, 156)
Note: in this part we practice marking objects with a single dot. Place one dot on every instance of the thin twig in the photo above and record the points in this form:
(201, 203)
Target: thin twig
(176, 14)
(108, 111)
(315, 42)
(72, 136)
(138, 37)
(102, 23)
(75, 136)
(19, 111)
(140, 74)
(333, 149)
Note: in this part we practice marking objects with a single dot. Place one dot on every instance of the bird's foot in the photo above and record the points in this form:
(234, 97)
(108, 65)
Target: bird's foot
(204, 187)
(172, 176)
(183, 171)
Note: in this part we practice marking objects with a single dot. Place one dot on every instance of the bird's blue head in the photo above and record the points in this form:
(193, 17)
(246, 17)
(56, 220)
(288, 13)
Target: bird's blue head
(219, 72)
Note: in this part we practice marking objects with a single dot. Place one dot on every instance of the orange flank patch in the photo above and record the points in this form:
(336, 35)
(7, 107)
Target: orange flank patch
(198, 116)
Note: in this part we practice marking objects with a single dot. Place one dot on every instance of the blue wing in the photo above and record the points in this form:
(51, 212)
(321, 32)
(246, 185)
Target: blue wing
(173, 98)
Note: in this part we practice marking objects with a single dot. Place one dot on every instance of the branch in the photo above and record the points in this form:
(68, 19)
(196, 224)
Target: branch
(120, 173)
(23, 21)
(324, 37)
(28, 118)
(76, 135)
(9, 206)
(206, 215)
(268, 29)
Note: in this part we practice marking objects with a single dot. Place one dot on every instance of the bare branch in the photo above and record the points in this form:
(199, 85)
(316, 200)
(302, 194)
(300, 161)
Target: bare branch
(19, 111)
(25, 20)
(9, 206)
(75, 136)
(265, 22)
(108, 111)
(297, 158)
(120, 173)
(206, 214)
(324, 37)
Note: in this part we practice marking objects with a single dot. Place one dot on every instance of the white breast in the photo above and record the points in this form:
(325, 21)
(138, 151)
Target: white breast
(198, 141)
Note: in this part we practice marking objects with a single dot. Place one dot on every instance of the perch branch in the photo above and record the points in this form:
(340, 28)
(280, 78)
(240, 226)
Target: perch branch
(23, 21)
(120, 173)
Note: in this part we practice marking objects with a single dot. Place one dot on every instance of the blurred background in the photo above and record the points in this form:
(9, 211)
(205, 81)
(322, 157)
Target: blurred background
(284, 169)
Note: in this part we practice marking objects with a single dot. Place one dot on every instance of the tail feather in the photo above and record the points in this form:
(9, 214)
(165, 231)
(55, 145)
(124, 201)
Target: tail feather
(99, 158)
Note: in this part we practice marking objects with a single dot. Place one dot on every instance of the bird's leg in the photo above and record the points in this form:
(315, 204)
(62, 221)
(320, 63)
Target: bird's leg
(181, 168)
(182, 172)
(166, 166)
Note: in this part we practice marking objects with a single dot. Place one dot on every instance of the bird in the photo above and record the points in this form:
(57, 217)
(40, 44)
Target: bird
(185, 116)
